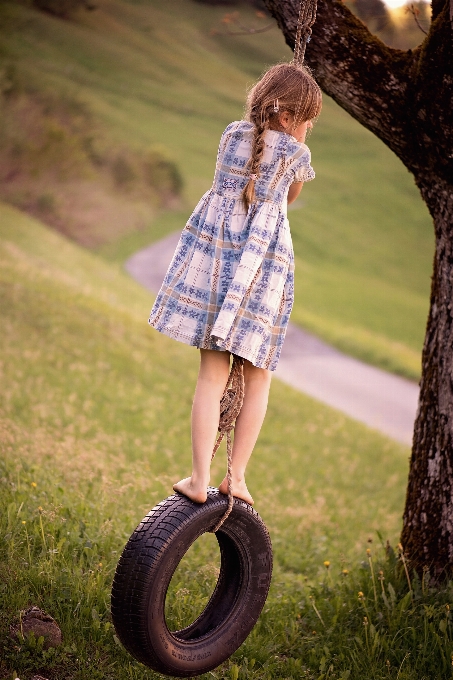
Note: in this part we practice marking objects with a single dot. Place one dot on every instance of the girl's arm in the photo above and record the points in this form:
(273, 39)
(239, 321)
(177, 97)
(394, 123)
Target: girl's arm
(294, 191)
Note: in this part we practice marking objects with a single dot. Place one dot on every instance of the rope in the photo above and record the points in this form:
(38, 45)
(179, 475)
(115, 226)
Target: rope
(230, 407)
(306, 19)
(233, 396)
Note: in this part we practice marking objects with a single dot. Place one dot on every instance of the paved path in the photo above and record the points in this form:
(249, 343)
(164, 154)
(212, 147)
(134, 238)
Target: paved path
(381, 400)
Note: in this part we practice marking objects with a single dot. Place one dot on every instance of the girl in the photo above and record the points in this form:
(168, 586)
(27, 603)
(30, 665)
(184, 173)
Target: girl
(229, 288)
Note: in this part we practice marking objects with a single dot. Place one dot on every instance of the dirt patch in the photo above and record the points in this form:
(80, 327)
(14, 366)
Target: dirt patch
(36, 622)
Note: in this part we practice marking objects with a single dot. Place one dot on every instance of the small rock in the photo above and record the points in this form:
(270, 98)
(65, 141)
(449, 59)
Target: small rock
(34, 620)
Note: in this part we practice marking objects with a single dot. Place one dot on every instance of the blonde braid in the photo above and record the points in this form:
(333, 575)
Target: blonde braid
(248, 193)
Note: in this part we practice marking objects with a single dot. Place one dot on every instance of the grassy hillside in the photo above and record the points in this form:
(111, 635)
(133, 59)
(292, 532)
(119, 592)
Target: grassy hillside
(94, 418)
(161, 76)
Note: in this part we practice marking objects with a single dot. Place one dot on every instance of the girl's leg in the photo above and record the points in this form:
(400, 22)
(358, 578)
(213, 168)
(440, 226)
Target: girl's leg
(212, 378)
(248, 426)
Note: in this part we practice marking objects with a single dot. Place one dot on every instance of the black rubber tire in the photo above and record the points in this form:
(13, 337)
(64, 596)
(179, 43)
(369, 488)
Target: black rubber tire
(148, 563)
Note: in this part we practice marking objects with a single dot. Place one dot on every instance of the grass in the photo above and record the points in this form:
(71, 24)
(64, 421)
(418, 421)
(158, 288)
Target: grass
(94, 418)
(58, 164)
(156, 76)
(94, 406)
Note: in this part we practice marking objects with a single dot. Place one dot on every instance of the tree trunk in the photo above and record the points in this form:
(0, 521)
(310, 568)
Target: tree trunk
(406, 99)
(427, 534)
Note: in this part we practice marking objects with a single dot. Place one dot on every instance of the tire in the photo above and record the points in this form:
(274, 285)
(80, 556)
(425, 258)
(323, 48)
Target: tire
(148, 563)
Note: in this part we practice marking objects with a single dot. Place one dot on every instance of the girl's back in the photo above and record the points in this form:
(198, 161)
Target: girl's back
(232, 261)
(284, 161)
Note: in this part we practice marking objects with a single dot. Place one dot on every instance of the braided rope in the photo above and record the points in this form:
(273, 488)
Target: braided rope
(233, 396)
(230, 407)
(306, 19)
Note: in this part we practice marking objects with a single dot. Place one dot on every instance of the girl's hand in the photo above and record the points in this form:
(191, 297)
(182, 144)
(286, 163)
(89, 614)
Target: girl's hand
(294, 191)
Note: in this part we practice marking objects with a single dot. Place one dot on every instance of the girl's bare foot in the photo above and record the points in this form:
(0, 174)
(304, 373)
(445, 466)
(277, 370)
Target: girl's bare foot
(239, 490)
(195, 492)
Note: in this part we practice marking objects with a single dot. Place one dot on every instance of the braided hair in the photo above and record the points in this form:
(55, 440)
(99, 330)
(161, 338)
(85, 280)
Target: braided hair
(295, 91)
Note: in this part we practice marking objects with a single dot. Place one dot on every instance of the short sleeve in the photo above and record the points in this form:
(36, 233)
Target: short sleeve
(303, 171)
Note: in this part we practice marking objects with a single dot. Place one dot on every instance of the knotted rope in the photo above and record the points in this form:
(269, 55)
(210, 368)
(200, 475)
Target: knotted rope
(306, 19)
(230, 407)
(233, 396)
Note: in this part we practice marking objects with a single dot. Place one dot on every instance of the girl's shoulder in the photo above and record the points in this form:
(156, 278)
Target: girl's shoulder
(287, 144)
(301, 151)
(239, 128)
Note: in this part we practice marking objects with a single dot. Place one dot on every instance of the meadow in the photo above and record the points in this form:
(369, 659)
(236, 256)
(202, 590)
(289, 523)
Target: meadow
(165, 78)
(94, 406)
(94, 428)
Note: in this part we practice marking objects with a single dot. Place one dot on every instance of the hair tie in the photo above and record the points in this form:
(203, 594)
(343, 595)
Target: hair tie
(254, 177)
(276, 106)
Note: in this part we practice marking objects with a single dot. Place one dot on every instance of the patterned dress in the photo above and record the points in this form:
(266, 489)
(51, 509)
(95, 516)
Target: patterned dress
(230, 284)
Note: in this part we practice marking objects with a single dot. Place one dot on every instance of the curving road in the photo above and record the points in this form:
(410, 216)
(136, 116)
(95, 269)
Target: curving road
(381, 400)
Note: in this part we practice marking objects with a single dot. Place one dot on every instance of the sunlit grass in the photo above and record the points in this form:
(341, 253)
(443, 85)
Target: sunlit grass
(94, 416)
(94, 428)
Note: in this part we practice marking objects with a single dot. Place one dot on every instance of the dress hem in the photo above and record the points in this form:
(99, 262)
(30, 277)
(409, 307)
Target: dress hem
(240, 350)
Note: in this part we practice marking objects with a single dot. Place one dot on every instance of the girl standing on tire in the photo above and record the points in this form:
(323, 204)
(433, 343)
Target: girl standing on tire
(230, 286)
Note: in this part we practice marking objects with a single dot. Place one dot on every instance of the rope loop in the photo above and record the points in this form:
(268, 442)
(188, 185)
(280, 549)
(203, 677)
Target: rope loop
(306, 19)
(230, 407)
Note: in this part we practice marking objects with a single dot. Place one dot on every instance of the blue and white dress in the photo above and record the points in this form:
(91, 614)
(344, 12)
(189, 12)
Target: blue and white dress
(230, 284)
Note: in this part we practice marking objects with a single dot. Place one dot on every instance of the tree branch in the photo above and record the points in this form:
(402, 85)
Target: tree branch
(234, 18)
(363, 75)
(249, 31)
(415, 12)
(404, 97)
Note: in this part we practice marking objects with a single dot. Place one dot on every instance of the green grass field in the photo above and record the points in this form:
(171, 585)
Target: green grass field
(94, 406)
(95, 427)
(157, 76)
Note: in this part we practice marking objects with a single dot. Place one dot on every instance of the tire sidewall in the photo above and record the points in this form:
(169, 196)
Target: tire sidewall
(252, 542)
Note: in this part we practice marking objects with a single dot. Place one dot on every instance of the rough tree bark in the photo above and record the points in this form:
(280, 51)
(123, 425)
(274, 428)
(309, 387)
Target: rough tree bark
(406, 99)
